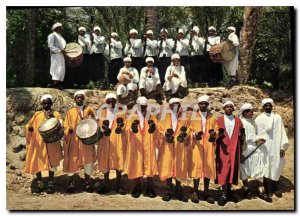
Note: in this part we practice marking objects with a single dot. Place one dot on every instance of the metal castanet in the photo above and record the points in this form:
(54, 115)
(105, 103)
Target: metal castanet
(88, 131)
(51, 130)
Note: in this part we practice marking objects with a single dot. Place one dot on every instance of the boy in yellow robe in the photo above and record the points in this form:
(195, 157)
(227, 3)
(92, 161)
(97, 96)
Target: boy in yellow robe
(39, 155)
(142, 140)
(173, 151)
(202, 159)
(112, 146)
(76, 154)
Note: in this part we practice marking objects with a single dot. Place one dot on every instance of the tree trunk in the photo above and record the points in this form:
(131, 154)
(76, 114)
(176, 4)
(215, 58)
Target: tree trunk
(247, 43)
(151, 20)
(30, 48)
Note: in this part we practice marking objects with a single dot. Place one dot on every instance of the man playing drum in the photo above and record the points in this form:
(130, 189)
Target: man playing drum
(76, 154)
(56, 44)
(39, 155)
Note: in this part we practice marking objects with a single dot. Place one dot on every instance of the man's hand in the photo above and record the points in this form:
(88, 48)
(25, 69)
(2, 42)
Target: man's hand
(30, 129)
(175, 75)
(282, 153)
(170, 78)
(261, 141)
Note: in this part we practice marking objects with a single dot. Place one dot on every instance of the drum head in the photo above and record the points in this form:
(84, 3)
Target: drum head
(73, 50)
(47, 125)
(228, 51)
(86, 128)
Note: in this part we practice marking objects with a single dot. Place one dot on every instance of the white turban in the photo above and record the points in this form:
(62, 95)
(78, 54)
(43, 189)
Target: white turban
(149, 59)
(114, 34)
(196, 29)
(175, 56)
(212, 28)
(203, 98)
(127, 59)
(164, 30)
(80, 92)
(231, 28)
(133, 31)
(174, 100)
(246, 106)
(82, 29)
(56, 25)
(46, 96)
(110, 95)
(227, 103)
(149, 32)
(97, 28)
(142, 101)
(267, 100)
(180, 31)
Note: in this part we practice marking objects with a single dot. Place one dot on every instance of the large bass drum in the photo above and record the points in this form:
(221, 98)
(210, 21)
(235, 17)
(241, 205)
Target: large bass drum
(51, 130)
(222, 52)
(74, 54)
(88, 131)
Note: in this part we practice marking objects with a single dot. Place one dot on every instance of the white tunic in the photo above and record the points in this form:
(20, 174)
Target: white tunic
(198, 45)
(232, 65)
(229, 122)
(135, 50)
(149, 83)
(182, 47)
(175, 82)
(115, 50)
(151, 47)
(98, 44)
(167, 46)
(213, 40)
(271, 126)
(85, 43)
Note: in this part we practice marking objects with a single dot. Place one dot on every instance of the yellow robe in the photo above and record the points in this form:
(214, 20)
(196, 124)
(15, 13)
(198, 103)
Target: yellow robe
(172, 158)
(140, 153)
(111, 150)
(76, 154)
(202, 158)
(39, 155)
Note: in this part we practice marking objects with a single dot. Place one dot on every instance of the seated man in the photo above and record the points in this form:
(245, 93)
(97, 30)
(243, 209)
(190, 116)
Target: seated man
(175, 79)
(149, 82)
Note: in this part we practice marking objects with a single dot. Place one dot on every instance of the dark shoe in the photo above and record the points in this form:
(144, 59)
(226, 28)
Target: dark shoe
(275, 189)
(88, 188)
(181, 196)
(120, 190)
(50, 188)
(223, 200)
(278, 193)
(71, 188)
(151, 193)
(103, 189)
(167, 197)
(208, 198)
(39, 188)
(136, 192)
(247, 194)
(195, 197)
(265, 197)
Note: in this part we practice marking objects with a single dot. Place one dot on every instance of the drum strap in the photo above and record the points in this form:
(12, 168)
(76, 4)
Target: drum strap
(79, 112)
(49, 114)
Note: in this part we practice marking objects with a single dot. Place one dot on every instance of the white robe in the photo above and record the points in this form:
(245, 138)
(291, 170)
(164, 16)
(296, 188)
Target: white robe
(175, 82)
(232, 65)
(271, 126)
(149, 84)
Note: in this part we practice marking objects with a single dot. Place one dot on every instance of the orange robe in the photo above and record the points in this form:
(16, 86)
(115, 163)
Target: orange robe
(111, 150)
(140, 153)
(39, 155)
(76, 154)
(172, 158)
(202, 159)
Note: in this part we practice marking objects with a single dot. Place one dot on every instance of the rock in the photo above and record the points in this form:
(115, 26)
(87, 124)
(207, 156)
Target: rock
(12, 167)
(22, 157)
(19, 174)
(17, 148)
(19, 119)
(7, 163)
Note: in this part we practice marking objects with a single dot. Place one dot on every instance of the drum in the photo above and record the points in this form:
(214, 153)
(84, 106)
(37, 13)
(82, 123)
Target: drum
(51, 130)
(124, 79)
(222, 52)
(88, 131)
(74, 55)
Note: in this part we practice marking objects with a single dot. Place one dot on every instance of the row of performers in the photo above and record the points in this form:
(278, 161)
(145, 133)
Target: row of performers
(172, 148)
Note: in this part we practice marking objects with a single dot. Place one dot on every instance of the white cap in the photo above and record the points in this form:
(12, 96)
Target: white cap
(97, 28)
(174, 100)
(180, 31)
(46, 96)
(80, 92)
(110, 95)
(267, 100)
(81, 29)
(133, 31)
(175, 56)
(203, 98)
(246, 106)
(212, 28)
(231, 28)
(164, 30)
(142, 101)
(149, 32)
(114, 34)
(227, 103)
(56, 25)
(196, 29)
(149, 59)
(127, 59)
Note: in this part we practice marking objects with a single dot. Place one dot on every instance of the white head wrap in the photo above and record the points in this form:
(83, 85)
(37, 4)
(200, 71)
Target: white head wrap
(142, 101)
(246, 106)
(196, 29)
(80, 92)
(56, 25)
(97, 28)
(149, 59)
(212, 28)
(127, 59)
(175, 56)
(114, 34)
(174, 100)
(180, 31)
(110, 95)
(164, 30)
(231, 28)
(149, 32)
(267, 100)
(81, 29)
(46, 96)
(227, 103)
(203, 98)
(133, 31)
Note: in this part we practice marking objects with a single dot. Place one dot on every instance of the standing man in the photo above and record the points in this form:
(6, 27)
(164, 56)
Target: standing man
(39, 155)
(228, 152)
(78, 155)
(96, 64)
(57, 44)
(202, 163)
(116, 59)
(270, 125)
(151, 46)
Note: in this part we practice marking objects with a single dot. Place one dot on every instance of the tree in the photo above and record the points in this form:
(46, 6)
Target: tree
(151, 20)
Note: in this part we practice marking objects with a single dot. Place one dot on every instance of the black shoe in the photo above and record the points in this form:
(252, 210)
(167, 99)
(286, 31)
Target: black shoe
(50, 188)
(88, 188)
(136, 192)
(167, 197)
(195, 197)
(39, 188)
(247, 194)
(223, 200)
(103, 189)
(151, 193)
(120, 190)
(71, 188)
(181, 196)
(265, 197)
(278, 193)
(208, 198)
